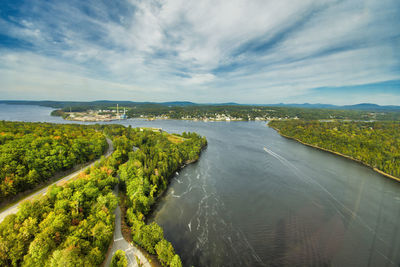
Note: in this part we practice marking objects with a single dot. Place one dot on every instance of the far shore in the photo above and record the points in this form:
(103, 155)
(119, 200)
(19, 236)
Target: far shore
(94, 117)
(339, 154)
(87, 119)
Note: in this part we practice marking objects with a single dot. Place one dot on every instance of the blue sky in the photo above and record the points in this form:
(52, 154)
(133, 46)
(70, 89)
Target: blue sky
(315, 51)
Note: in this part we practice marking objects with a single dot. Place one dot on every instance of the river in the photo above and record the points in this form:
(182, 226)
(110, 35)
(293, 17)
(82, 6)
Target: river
(257, 199)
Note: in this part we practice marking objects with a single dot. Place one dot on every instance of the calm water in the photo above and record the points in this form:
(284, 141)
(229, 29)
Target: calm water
(257, 199)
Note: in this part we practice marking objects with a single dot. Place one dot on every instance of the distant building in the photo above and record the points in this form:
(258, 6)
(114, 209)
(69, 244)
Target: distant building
(123, 116)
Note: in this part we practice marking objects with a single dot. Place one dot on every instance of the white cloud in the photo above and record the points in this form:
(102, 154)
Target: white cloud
(199, 79)
(29, 76)
(245, 51)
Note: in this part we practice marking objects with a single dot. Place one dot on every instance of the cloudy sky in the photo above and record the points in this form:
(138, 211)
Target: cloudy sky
(246, 51)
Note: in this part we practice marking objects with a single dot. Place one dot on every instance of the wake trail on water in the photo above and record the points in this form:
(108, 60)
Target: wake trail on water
(305, 178)
(179, 181)
(210, 205)
(309, 180)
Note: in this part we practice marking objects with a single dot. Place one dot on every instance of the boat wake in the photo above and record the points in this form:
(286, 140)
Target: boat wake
(312, 181)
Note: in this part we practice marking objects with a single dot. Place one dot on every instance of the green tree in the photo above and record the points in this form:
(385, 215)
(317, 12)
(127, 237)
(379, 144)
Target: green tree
(165, 252)
(119, 259)
(176, 261)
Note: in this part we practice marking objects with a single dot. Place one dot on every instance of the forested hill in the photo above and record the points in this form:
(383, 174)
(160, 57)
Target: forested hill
(190, 110)
(73, 224)
(376, 144)
(31, 153)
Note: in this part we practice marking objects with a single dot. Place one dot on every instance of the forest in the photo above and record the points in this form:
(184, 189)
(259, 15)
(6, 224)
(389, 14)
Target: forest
(73, 224)
(376, 144)
(146, 175)
(31, 153)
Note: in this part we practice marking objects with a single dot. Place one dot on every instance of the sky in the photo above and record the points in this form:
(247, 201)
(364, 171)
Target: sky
(245, 51)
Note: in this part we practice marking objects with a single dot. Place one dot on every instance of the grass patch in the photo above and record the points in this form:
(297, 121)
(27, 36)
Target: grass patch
(175, 139)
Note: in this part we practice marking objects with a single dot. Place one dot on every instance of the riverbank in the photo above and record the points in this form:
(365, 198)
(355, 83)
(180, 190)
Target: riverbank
(87, 116)
(339, 154)
(160, 196)
(165, 154)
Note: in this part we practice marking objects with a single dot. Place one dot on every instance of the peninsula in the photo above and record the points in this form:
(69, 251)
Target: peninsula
(73, 222)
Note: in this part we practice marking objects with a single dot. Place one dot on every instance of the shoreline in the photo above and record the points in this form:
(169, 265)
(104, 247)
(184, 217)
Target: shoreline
(339, 154)
(153, 119)
(153, 208)
(159, 118)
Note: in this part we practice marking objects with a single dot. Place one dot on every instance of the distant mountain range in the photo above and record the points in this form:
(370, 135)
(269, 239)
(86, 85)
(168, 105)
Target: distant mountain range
(362, 106)
(61, 104)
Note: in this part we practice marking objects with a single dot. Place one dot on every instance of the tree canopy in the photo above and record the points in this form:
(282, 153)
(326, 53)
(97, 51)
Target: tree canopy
(73, 224)
(146, 175)
(31, 153)
(377, 144)
(119, 259)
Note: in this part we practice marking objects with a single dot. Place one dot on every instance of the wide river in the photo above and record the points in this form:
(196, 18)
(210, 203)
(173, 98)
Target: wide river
(257, 199)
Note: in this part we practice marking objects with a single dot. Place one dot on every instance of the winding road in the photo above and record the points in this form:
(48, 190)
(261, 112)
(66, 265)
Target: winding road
(119, 242)
(14, 208)
(131, 252)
